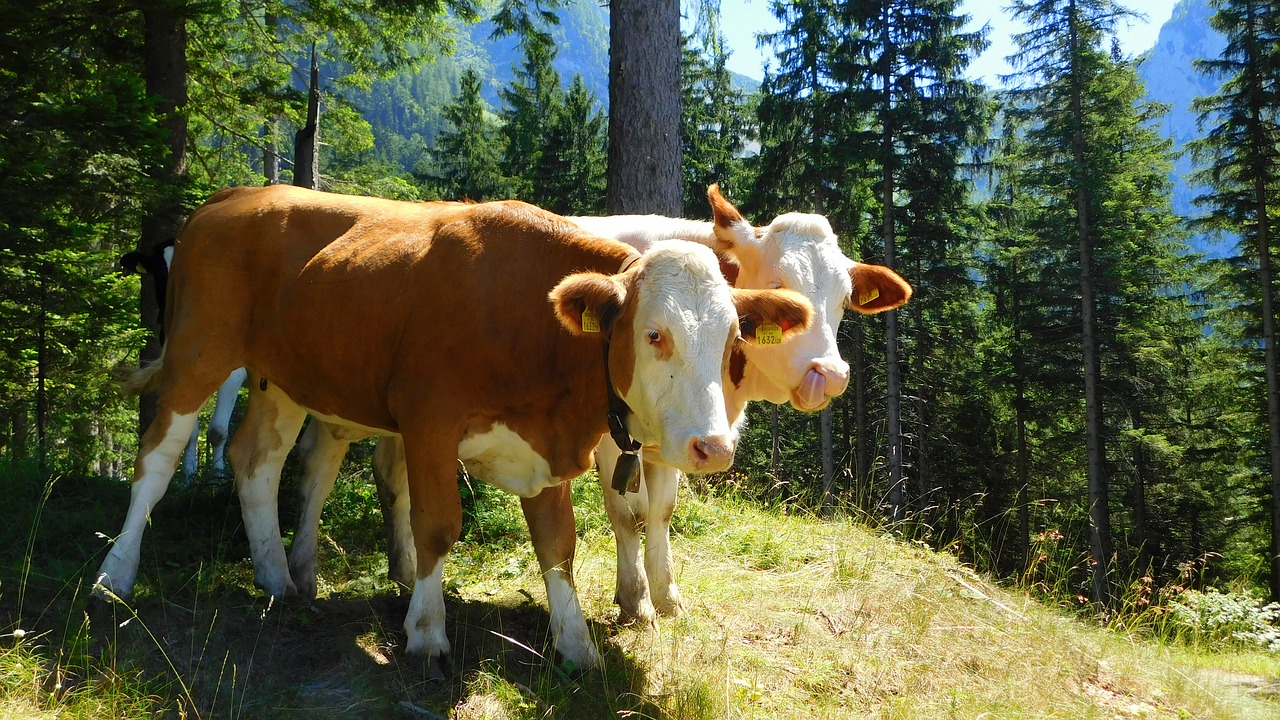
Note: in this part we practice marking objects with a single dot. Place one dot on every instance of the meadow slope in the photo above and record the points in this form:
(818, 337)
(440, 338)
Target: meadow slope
(789, 617)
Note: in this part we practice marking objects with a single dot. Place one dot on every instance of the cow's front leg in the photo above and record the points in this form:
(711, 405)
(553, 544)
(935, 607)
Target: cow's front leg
(258, 452)
(551, 527)
(435, 517)
(626, 515)
(662, 483)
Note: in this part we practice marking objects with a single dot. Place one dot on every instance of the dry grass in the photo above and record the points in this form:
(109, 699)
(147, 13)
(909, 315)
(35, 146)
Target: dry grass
(789, 618)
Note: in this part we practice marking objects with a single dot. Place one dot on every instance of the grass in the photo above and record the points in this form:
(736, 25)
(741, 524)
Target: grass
(790, 617)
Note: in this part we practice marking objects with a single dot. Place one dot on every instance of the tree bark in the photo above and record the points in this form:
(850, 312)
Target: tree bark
(306, 147)
(893, 379)
(862, 431)
(1266, 278)
(644, 108)
(1099, 495)
(828, 462)
(165, 75)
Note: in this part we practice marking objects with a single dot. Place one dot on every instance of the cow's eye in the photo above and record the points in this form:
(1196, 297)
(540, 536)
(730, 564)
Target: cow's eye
(775, 285)
(654, 336)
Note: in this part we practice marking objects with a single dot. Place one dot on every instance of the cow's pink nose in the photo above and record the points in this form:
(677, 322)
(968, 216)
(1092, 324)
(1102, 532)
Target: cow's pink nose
(711, 454)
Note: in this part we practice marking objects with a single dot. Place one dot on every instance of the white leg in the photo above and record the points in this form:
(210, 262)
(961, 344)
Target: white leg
(322, 452)
(151, 478)
(392, 478)
(662, 482)
(424, 623)
(625, 514)
(568, 625)
(220, 422)
(258, 453)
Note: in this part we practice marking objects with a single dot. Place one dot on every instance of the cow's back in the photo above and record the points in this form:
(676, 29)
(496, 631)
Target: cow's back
(361, 308)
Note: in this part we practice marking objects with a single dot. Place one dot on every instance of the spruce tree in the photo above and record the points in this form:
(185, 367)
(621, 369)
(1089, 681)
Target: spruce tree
(467, 157)
(1242, 149)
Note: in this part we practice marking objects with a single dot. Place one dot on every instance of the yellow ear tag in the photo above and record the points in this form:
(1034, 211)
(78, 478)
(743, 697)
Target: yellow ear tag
(768, 334)
(866, 295)
(590, 321)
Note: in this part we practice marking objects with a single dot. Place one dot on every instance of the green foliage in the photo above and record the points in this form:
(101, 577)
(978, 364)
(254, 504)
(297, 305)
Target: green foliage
(1233, 620)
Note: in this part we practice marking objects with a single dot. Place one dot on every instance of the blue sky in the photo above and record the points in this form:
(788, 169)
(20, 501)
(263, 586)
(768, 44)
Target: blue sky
(742, 19)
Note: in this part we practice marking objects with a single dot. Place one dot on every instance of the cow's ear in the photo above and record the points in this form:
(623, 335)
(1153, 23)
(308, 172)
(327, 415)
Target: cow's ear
(876, 288)
(587, 303)
(731, 229)
(770, 317)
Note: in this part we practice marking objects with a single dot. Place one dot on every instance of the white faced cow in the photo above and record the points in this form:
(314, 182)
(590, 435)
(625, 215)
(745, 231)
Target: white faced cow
(796, 251)
(432, 321)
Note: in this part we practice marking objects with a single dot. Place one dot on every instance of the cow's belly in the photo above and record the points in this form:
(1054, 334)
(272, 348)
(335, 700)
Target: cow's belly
(503, 459)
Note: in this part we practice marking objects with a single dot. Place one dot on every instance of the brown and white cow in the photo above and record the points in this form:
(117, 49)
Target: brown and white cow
(432, 321)
(796, 251)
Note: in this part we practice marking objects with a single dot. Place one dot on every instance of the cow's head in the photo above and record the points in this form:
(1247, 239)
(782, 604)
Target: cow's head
(798, 251)
(671, 321)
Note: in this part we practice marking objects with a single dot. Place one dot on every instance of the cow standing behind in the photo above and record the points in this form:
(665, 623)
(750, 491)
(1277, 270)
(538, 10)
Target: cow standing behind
(431, 321)
(155, 267)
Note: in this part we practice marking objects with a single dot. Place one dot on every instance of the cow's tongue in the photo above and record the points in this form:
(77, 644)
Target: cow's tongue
(812, 391)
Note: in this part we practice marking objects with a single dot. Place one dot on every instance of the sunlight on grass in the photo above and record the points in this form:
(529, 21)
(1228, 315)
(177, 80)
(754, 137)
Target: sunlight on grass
(789, 617)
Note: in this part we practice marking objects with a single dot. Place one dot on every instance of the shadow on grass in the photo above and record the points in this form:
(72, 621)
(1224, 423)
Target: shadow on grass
(199, 641)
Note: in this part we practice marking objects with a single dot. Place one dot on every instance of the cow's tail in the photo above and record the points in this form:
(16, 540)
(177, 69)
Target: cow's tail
(140, 380)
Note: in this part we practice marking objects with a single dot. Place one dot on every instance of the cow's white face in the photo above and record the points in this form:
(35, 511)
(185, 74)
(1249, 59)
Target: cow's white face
(799, 252)
(671, 332)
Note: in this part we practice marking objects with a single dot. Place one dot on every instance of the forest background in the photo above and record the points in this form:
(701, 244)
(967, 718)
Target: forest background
(1074, 398)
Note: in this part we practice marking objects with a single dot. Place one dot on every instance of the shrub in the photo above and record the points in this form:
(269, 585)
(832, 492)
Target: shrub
(1230, 619)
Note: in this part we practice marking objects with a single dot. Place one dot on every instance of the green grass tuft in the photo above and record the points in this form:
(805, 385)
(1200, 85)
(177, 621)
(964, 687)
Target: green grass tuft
(789, 617)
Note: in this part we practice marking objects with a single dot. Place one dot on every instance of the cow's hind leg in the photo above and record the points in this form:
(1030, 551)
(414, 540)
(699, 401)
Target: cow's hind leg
(161, 445)
(322, 447)
(626, 515)
(662, 482)
(258, 452)
(551, 527)
(191, 456)
(393, 494)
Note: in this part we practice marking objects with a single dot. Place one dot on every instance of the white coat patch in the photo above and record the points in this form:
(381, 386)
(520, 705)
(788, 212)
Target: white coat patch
(505, 460)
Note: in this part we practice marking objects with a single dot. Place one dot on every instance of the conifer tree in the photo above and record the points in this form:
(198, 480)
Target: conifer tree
(574, 158)
(903, 69)
(532, 101)
(715, 124)
(1242, 149)
(468, 156)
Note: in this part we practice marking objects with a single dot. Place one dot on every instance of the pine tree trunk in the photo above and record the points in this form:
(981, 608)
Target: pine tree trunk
(165, 75)
(271, 152)
(271, 128)
(1141, 533)
(828, 462)
(1267, 280)
(893, 380)
(306, 148)
(774, 440)
(1099, 496)
(42, 373)
(644, 108)
(862, 450)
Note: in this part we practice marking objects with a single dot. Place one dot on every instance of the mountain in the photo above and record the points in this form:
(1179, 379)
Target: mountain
(1168, 72)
